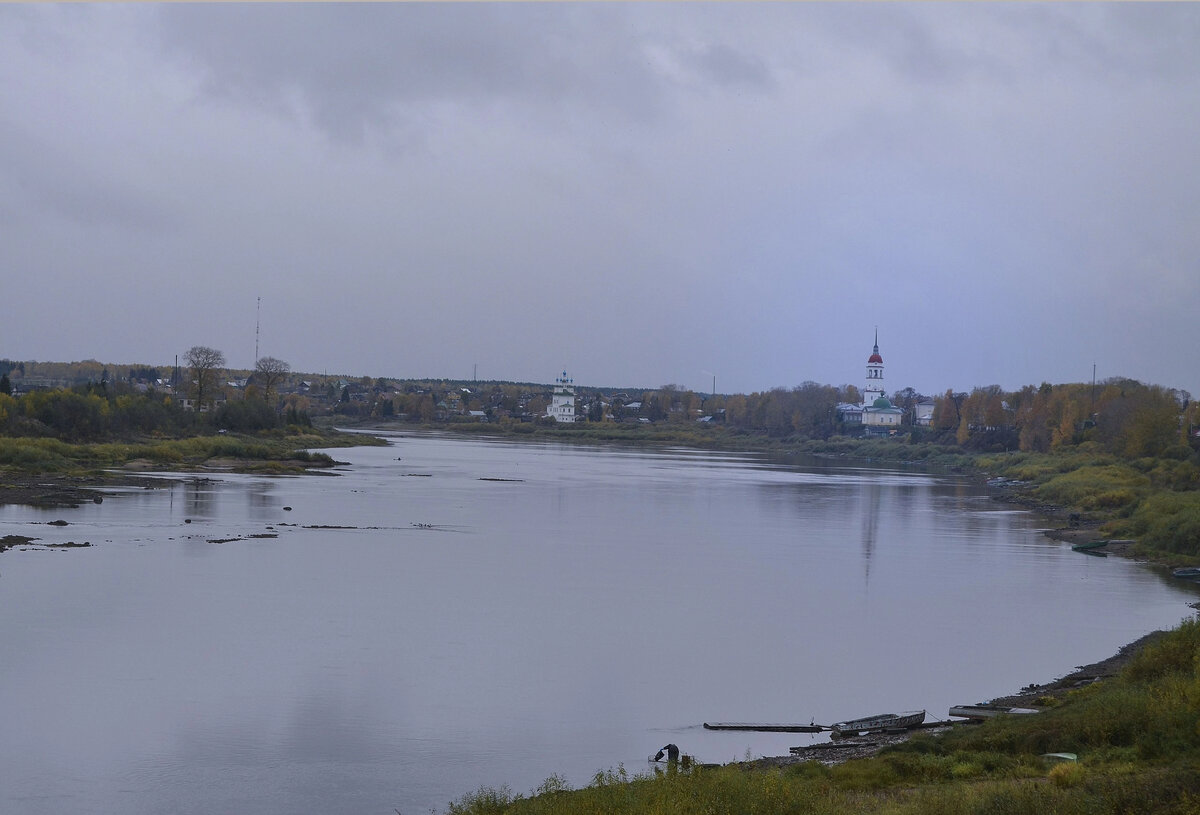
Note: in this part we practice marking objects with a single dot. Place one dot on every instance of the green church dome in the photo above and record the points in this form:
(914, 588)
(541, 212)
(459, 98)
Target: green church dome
(881, 402)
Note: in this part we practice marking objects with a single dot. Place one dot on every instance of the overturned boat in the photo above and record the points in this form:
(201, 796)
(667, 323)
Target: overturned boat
(879, 722)
(980, 712)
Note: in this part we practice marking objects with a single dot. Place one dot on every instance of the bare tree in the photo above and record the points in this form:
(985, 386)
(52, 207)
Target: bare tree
(270, 372)
(205, 362)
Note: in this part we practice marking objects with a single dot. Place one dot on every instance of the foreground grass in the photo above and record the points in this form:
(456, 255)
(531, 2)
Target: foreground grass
(1137, 737)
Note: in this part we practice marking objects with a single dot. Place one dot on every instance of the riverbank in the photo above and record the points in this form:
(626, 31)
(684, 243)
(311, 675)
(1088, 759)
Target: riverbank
(1034, 696)
(1127, 744)
(52, 473)
(1075, 530)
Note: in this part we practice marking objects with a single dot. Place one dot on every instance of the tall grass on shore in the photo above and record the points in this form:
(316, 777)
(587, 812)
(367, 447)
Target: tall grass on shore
(1137, 737)
(289, 450)
(1153, 500)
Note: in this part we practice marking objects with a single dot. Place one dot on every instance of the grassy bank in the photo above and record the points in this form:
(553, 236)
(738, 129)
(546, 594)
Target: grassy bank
(1137, 737)
(1155, 501)
(275, 450)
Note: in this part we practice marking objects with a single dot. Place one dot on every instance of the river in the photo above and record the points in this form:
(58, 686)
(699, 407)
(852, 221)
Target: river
(447, 613)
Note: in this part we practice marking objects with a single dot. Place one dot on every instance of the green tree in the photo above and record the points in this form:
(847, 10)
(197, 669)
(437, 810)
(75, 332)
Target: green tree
(1138, 420)
(270, 372)
(945, 412)
(245, 415)
(205, 364)
(424, 408)
(737, 410)
(813, 407)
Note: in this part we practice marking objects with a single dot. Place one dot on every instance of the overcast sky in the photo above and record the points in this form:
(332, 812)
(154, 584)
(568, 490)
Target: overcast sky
(640, 193)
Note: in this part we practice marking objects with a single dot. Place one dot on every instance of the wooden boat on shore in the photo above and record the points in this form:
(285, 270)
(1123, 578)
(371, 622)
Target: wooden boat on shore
(881, 721)
(981, 712)
(1091, 548)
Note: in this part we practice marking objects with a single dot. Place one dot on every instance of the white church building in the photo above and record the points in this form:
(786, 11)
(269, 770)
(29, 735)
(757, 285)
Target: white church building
(876, 413)
(562, 401)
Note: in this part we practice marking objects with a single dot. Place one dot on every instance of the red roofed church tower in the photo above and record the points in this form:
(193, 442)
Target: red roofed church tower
(874, 388)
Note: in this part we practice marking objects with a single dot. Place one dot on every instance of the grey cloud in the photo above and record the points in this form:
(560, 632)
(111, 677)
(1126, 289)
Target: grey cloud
(1007, 41)
(725, 65)
(364, 66)
(87, 192)
(1142, 42)
(616, 176)
(359, 68)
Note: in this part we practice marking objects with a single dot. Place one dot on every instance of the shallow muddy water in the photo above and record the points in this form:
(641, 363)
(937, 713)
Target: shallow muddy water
(448, 613)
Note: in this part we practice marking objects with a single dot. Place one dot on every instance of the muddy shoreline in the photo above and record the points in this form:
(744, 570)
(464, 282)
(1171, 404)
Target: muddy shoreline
(53, 490)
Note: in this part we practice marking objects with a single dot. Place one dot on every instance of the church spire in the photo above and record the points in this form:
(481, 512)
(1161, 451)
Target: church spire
(874, 388)
(875, 359)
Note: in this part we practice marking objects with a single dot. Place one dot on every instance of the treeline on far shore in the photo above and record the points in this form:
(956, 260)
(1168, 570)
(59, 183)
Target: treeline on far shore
(1122, 453)
(99, 426)
(100, 411)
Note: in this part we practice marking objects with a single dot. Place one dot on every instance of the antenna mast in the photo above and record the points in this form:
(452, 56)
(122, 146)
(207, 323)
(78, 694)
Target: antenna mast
(1093, 388)
(257, 314)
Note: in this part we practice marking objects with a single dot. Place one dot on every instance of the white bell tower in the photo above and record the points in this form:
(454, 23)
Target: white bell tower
(874, 388)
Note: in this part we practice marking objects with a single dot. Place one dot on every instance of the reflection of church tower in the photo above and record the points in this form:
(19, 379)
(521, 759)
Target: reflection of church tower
(874, 388)
(871, 526)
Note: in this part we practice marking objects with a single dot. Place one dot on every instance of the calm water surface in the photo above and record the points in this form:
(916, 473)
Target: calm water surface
(594, 605)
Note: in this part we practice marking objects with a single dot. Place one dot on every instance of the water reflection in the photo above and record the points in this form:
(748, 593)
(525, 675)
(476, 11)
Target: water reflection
(870, 526)
(200, 497)
(260, 500)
